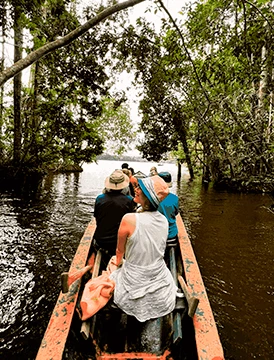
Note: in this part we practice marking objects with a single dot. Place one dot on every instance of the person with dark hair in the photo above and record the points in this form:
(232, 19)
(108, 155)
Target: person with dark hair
(132, 181)
(144, 286)
(169, 207)
(128, 189)
(110, 207)
(132, 170)
(124, 166)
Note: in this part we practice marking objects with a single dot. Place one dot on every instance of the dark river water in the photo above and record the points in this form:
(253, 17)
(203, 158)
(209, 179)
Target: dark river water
(232, 236)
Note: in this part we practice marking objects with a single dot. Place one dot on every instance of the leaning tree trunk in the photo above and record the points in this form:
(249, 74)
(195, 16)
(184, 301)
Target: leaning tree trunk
(65, 40)
(17, 85)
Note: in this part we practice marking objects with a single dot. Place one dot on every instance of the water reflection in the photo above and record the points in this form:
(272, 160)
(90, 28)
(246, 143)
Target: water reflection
(232, 235)
(39, 234)
(233, 242)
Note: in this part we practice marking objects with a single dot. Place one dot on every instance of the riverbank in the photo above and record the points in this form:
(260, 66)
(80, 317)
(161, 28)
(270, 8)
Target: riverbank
(254, 184)
(12, 176)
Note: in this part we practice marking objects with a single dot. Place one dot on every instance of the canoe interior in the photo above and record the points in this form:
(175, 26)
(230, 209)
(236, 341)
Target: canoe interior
(114, 332)
(174, 337)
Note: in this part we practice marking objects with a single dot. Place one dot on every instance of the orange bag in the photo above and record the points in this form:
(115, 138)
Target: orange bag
(96, 294)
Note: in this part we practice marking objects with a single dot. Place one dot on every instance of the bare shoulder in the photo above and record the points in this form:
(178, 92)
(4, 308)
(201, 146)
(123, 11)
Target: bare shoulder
(127, 225)
(129, 218)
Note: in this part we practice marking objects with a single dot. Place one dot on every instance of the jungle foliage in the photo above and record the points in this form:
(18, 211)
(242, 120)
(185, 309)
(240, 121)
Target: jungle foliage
(205, 83)
(67, 112)
(208, 90)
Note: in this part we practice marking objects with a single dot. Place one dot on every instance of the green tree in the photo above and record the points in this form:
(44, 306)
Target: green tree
(115, 126)
(64, 40)
(154, 57)
(228, 39)
(60, 109)
(208, 84)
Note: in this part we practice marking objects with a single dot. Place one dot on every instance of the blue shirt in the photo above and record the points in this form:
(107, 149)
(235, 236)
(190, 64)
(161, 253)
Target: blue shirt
(169, 207)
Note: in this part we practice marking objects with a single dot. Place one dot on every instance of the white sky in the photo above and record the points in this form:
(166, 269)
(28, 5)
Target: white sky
(173, 6)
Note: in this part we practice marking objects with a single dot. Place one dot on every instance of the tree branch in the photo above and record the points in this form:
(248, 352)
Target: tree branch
(186, 50)
(67, 39)
(259, 11)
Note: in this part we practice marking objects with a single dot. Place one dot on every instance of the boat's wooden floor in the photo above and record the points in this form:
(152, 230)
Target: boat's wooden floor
(116, 333)
(126, 334)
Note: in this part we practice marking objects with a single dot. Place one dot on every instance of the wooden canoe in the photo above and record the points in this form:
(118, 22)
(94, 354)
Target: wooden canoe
(140, 175)
(114, 335)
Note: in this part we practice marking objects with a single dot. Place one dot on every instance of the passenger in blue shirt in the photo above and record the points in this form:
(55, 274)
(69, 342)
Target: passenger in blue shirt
(170, 208)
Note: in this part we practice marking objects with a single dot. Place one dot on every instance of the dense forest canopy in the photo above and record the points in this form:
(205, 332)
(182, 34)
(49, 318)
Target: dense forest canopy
(205, 82)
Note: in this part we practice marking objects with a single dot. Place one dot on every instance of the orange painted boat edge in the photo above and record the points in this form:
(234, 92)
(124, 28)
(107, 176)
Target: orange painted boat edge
(208, 342)
(143, 356)
(206, 334)
(55, 337)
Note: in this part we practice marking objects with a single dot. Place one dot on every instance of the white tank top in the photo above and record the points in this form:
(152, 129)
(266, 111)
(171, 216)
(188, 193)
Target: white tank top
(148, 242)
(144, 286)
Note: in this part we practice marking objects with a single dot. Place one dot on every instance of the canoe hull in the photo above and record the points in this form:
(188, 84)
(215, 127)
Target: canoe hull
(54, 340)
(207, 339)
(114, 335)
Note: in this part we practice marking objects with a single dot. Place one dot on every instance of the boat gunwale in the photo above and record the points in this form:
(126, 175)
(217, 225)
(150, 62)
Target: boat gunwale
(206, 334)
(207, 338)
(55, 337)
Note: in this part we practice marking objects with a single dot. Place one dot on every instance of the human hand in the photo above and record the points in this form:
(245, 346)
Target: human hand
(114, 260)
(113, 265)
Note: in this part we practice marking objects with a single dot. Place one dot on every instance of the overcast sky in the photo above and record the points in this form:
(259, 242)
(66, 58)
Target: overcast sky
(173, 6)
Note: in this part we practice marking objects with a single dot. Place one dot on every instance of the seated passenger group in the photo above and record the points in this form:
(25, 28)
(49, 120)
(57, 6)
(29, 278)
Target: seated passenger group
(144, 286)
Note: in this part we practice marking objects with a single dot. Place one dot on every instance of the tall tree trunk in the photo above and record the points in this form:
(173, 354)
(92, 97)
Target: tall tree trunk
(181, 130)
(3, 21)
(28, 148)
(261, 105)
(270, 117)
(17, 85)
(179, 174)
(263, 80)
(188, 158)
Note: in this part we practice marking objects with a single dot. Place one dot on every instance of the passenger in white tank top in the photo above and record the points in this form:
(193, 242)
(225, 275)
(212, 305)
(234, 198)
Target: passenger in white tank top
(144, 286)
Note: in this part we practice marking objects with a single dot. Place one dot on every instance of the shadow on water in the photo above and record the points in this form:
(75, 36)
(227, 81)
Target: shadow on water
(232, 236)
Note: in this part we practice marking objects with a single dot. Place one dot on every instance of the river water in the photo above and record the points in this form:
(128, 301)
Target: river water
(232, 236)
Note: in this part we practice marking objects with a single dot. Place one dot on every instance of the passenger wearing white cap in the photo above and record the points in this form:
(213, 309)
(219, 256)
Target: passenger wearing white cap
(144, 286)
(109, 209)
